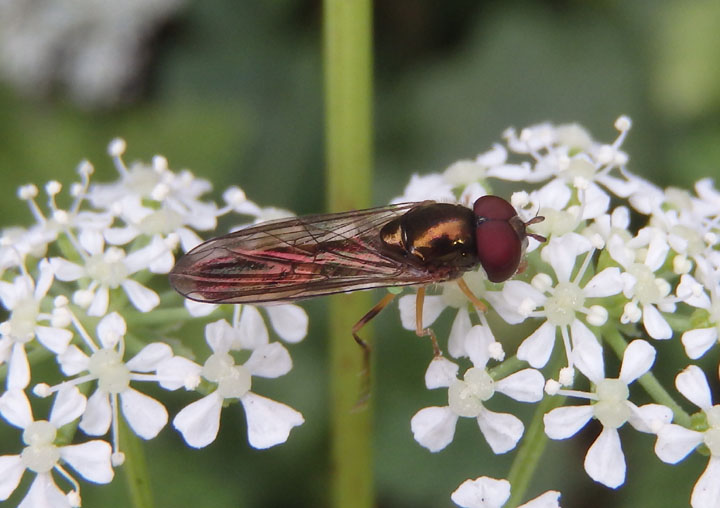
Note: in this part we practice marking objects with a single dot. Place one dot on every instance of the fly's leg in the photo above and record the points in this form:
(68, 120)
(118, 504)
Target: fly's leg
(365, 382)
(471, 296)
(419, 330)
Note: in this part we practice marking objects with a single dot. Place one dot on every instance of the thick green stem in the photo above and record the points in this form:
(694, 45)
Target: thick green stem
(532, 445)
(134, 469)
(348, 99)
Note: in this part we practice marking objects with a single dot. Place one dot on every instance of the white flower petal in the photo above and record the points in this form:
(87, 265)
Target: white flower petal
(501, 430)
(289, 321)
(561, 252)
(477, 345)
(149, 357)
(675, 442)
(11, 470)
(657, 250)
(606, 283)
(199, 309)
(98, 414)
(91, 460)
(706, 493)
(595, 202)
(92, 241)
(638, 358)
(178, 372)
(686, 291)
(143, 299)
(43, 493)
(564, 422)
(698, 342)
(269, 422)
(252, 331)
(270, 360)
(482, 492)
(54, 339)
(120, 236)
(434, 427)
(45, 279)
(68, 406)
(433, 305)
(693, 384)
(110, 329)
(550, 499)
(605, 462)
(73, 361)
(587, 353)
(655, 324)
(65, 270)
(100, 301)
(524, 386)
(18, 369)
(441, 373)
(8, 295)
(15, 408)
(649, 417)
(537, 348)
(145, 415)
(219, 336)
(199, 422)
(460, 328)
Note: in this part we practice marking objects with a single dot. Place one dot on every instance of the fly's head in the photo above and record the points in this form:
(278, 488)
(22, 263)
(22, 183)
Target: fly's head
(501, 236)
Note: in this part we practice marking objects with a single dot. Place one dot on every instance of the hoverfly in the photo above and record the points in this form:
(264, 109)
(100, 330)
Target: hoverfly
(407, 244)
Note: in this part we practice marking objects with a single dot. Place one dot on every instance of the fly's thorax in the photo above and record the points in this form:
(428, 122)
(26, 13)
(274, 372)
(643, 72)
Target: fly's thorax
(433, 235)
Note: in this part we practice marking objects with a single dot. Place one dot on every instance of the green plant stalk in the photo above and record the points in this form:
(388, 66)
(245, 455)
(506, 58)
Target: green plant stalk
(134, 469)
(348, 105)
(532, 445)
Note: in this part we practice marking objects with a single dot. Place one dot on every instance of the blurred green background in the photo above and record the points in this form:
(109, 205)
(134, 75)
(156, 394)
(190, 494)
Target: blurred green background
(233, 91)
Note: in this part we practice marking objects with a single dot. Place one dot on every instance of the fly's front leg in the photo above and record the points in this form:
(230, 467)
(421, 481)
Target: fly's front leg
(471, 296)
(365, 383)
(419, 330)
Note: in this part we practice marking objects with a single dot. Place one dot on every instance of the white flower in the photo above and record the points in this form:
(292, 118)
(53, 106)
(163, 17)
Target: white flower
(675, 442)
(106, 365)
(605, 462)
(485, 492)
(269, 422)
(561, 304)
(647, 293)
(23, 298)
(434, 427)
(289, 321)
(108, 269)
(41, 455)
(700, 339)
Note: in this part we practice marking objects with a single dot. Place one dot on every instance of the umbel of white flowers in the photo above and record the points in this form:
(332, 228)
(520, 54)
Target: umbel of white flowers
(76, 282)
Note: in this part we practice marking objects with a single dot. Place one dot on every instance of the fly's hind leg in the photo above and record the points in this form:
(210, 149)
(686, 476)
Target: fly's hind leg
(419, 330)
(479, 305)
(365, 382)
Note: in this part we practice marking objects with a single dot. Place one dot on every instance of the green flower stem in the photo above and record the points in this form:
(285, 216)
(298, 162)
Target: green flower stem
(507, 367)
(533, 444)
(134, 469)
(649, 382)
(348, 99)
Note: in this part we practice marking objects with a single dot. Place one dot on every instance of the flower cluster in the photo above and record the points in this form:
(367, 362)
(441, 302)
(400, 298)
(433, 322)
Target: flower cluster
(625, 263)
(78, 286)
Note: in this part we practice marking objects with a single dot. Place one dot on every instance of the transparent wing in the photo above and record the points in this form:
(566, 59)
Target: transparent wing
(296, 258)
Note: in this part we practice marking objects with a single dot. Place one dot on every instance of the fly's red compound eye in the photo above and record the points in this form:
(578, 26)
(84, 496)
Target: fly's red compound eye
(500, 235)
